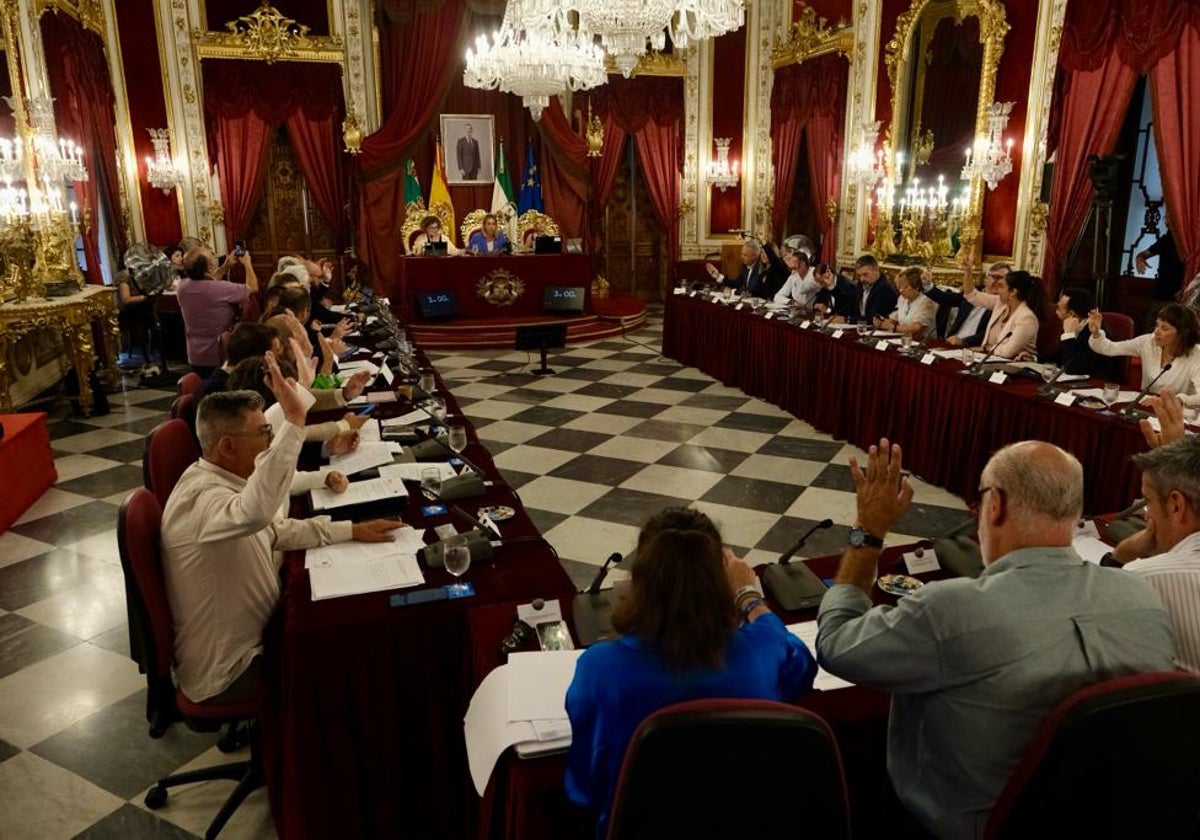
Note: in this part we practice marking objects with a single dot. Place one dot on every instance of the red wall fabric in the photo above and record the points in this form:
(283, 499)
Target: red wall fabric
(728, 120)
(318, 147)
(1141, 32)
(1174, 81)
(825, 176)
(147, 109)
(658, 152)
(565, 180)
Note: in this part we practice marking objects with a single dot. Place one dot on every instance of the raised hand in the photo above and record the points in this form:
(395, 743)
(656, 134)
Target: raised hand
(883, 493)
(712, 270)
(1168, 408)
(356, 385)
(286, 391)
(1095, 319)
(304, 365)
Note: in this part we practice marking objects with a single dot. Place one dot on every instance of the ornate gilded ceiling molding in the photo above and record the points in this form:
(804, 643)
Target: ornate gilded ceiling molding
(653, 64)
(267, 35)
(90, 13)
(993, 26)
(812, 36)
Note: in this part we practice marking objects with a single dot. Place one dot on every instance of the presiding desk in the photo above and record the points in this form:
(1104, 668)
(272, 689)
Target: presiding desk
(364, 738)
(486, 285)
(949, 424)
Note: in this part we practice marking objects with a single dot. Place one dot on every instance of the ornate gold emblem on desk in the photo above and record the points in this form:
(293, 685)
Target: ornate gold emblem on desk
(500, 288)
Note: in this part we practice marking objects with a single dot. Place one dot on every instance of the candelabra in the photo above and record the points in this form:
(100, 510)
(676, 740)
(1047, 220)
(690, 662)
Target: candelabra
(927, 218)
(722, 173)
(38, 225)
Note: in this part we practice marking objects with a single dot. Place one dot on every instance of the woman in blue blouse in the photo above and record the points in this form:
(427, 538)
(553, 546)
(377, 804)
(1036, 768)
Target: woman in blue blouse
(693, 626)
(489, 239)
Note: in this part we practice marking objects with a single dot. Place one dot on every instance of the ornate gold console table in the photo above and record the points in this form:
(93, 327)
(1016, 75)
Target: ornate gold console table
(72, 317)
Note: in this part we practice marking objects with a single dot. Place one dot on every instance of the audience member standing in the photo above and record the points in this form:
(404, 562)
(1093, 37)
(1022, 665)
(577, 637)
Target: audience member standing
(209, 306)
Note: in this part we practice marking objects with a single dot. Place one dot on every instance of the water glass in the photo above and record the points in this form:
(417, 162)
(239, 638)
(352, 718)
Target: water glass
(431, 481)
(427, 383)
(1048, 373)
(967, 356)
(1112, 392)
(458, 439)
(437, 407)
(457, 559)
(906, 342)
(864, 329)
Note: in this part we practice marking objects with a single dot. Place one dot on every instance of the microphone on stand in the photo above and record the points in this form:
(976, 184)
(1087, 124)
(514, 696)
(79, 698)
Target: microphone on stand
(592, 608)
(794, 586)
(478, 540)
(1048, 390)
(1131, 411)
(987, 354)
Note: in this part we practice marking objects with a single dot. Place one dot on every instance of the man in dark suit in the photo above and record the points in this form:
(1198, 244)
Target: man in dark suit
(763, 271)
(970, 322)
(467, 152)
(1074, 353)
(876, 295)
(836, 296)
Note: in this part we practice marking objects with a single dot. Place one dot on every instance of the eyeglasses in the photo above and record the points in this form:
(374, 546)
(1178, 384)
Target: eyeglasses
(264, 430)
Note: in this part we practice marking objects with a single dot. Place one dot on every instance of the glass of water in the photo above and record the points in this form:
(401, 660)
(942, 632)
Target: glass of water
(906, 342)
(863, 328)
(427, 383)
(458, 439)
(1111, 393)
(437, 408)
(431, 482)
(1048, 373)
(457, 560)
(967, 356)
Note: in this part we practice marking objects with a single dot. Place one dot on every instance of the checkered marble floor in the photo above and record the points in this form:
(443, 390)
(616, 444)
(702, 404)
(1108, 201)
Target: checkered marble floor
(616, 433)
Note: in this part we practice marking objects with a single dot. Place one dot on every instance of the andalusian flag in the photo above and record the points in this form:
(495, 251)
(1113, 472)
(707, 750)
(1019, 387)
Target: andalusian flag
(412, 187)
(503, 204)
(531, 185)
(439, 195)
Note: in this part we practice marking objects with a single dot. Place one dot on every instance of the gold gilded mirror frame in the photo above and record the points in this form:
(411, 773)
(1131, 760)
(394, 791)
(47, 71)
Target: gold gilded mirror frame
(993, 27)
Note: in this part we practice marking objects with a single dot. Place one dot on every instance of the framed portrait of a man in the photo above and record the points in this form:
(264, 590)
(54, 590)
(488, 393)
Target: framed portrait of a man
(468, 141)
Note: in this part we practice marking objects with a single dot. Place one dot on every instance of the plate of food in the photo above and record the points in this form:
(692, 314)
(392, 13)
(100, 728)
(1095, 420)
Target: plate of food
(497, 513)
(898, 585)
(1091, 402)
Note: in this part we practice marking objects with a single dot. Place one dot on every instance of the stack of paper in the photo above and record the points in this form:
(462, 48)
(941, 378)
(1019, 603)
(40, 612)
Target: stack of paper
(410, 419)
(352, 568)
(520, 704)
(351, 368)
(369, 432)
(359, 492)
(806, 632)
(368, 454)
(412, 471)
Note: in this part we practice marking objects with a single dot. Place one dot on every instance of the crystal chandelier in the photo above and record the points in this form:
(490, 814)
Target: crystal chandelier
(865, 166)
(626, 28)
(991, 158)
(722, 173)
(161, 171)
(536, 54)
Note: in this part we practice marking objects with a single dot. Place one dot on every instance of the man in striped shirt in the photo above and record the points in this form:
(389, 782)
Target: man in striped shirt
(1167, 552)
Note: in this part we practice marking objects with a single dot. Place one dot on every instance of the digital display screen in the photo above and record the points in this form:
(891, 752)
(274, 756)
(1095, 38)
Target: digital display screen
(563, 298)
(437, 304)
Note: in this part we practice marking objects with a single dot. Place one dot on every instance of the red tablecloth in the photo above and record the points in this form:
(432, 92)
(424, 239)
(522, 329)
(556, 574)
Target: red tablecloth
(26, 464)
(368, 741)
(948, 423)
(462, 275)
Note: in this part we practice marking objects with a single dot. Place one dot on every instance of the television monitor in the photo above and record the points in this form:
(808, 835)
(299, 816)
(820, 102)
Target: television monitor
(438, 304)
(436, 249)
(563, 299)
(547, 245)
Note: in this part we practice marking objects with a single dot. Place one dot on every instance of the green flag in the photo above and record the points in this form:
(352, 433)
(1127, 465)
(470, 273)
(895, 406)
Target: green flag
(412, 187)
(502, 178)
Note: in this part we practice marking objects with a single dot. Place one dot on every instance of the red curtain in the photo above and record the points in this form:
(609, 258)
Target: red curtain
(1175, 81)
(318, 147)
(85, 111)
(1093, 109)
(564, 171)
(801, 93)
(241, 151)
(1141, 32)
(658, 151)
(420, 57)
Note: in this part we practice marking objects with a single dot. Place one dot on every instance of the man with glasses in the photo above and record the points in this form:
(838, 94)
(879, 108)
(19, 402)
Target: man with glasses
(222, 531)
(970, 322)
(975, 664)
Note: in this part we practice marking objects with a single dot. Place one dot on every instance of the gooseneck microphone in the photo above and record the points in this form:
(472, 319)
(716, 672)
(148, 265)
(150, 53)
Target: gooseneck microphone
(987, 353)
(594, 586)
(592, 608)
(787, 555)
(1048, 389)
(1132, 409)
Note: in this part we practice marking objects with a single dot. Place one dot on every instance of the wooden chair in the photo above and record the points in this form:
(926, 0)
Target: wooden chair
(532, 224)
(471, 222)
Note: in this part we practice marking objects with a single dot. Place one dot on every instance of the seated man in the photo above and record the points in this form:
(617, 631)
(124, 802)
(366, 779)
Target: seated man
(875, 296)
(1170, 543)
(1074, 354)
(836, 296)
(974, 665)
(970, 322)
(246, 340)
(221, 532)
(801, 287)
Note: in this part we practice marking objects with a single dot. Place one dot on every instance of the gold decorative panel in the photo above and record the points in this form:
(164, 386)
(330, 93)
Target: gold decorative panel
(267, 35)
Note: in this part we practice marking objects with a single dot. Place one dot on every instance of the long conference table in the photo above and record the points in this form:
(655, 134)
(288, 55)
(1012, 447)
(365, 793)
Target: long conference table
(364, 737)
(948, 423)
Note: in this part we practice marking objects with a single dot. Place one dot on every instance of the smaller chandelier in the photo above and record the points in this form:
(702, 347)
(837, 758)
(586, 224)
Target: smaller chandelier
(161, 171)
(534, 55)
(722, 173)
(991, 158)
(865, 166)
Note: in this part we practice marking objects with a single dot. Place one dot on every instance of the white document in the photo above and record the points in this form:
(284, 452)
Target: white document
(1098, 393)
(353, 367)
(486, 731)
(927, 562)
(381, 396)
(806, 631)
(836, 327)
(410, 419)
(1065, 398)
(407, 540)
(386, 373)
(366, 455)
(359, 492)
(369, 431)
(1087, 528)
(377, 574)
(1090, 548)
(412, 471)
(537, 688)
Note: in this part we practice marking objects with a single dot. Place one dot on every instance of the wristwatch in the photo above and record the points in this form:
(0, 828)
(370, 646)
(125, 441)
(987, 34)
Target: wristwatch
(860, 538)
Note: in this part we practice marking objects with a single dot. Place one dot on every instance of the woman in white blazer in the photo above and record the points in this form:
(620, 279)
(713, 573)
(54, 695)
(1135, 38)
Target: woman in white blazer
(914, 313)
(1173, 343)
(1013, 327)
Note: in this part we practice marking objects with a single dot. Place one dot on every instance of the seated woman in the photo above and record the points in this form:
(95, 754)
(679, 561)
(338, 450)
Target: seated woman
(135, 313)
(489, 239)
(1013, 326)
(914, 314)
(1173, 343)
(431, 234)
(1074, 352)
(694, 626)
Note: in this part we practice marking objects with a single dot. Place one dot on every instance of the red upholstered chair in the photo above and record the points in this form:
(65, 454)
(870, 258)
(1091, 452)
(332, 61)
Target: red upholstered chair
(138, 533)
(1119, 327)
(189, 383)
(170, 450)
(1115, 759)
(731, 768)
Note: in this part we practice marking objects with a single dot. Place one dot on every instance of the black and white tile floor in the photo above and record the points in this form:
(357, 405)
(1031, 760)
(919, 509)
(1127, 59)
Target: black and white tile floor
(617, 433)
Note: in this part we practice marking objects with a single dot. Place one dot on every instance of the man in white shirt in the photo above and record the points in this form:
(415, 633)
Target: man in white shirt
(801, 287)
(1169, 545)
(220, 533)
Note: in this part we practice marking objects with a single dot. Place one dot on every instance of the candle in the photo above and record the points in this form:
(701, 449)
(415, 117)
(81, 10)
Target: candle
(74, 213)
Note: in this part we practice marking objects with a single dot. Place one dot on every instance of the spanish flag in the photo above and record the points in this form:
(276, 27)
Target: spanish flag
(439, 196)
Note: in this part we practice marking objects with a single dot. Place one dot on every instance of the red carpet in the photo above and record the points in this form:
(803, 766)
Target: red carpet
(609, 317)
(26, 463)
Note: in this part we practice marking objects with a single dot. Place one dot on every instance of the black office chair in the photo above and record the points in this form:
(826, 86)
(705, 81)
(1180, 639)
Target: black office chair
(731, 768)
